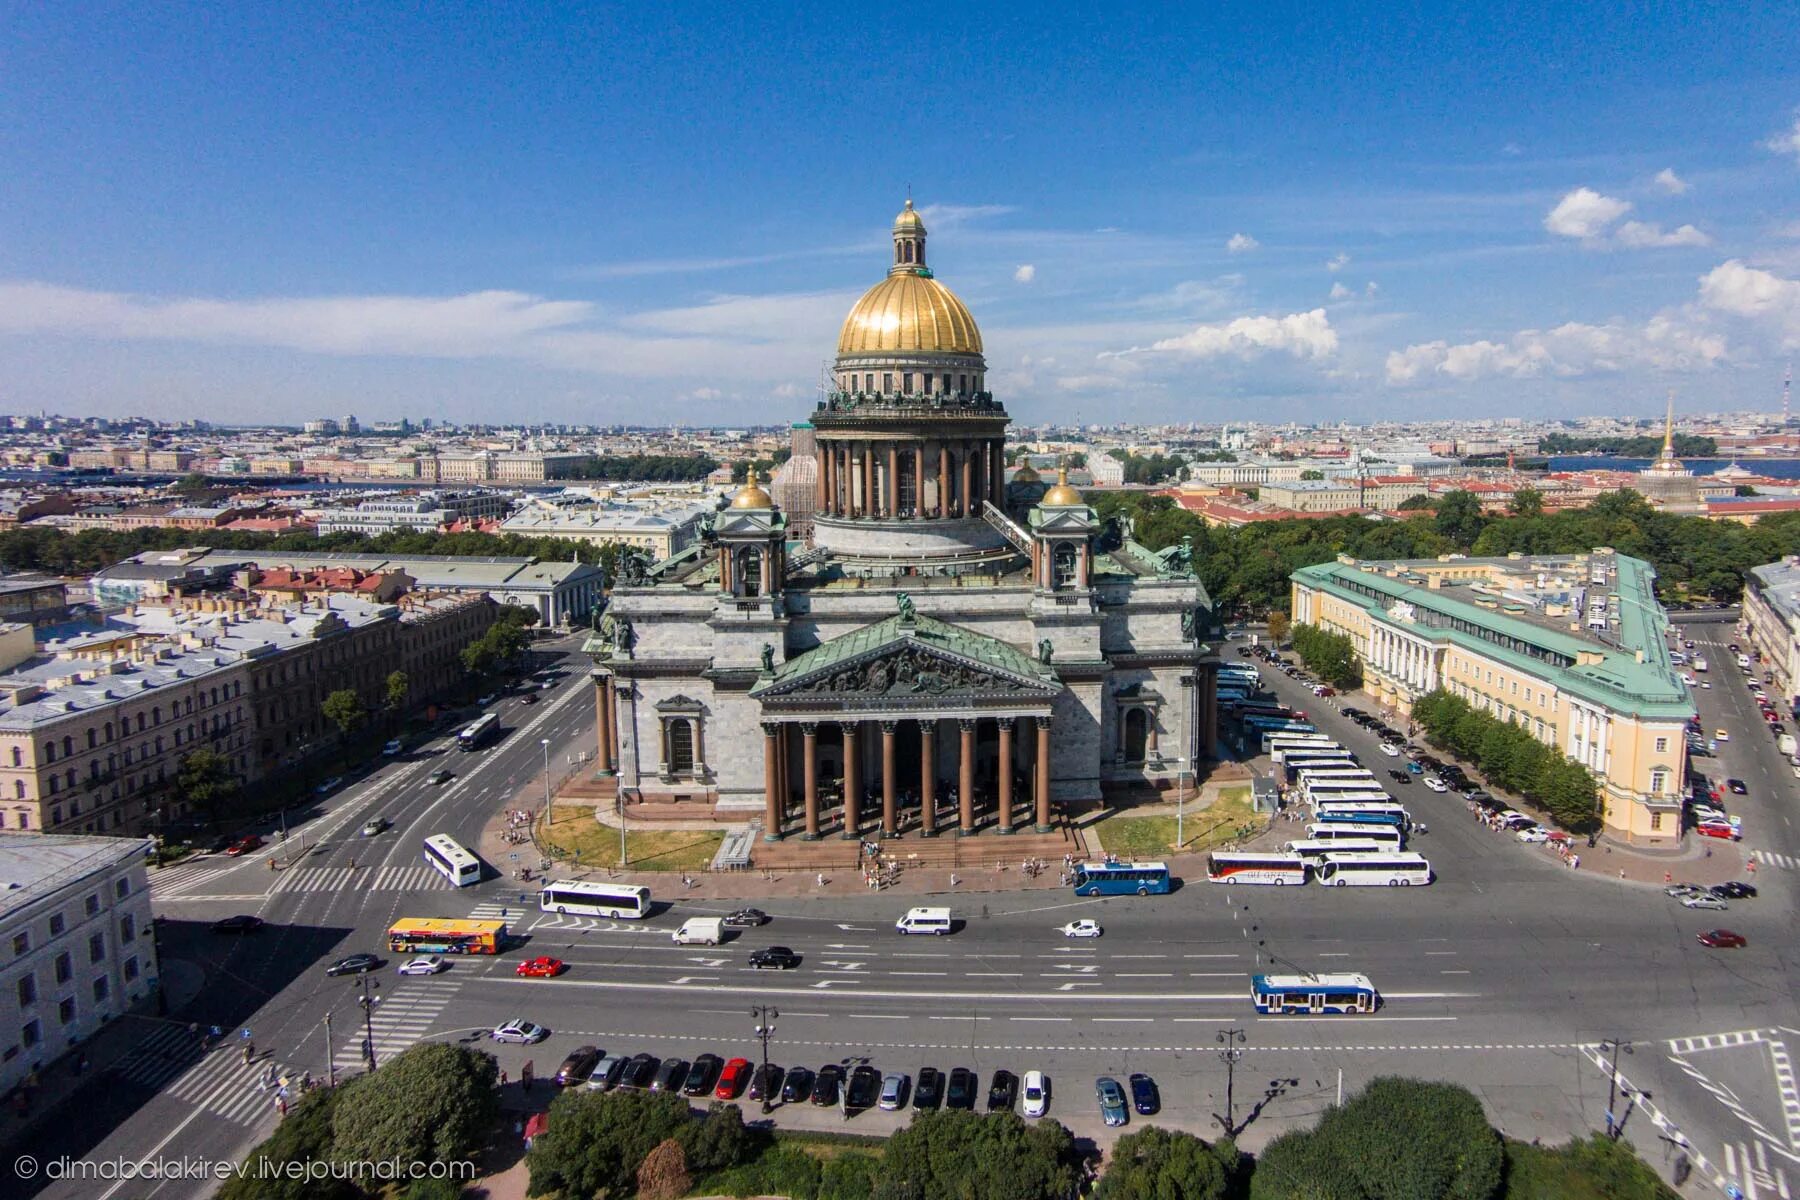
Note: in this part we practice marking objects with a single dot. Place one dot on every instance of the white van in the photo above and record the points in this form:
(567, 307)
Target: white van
(1744, 662)
(924, 920)
(701, 931)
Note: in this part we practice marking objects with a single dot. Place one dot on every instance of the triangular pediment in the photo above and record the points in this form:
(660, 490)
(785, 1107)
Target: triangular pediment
(906, 664)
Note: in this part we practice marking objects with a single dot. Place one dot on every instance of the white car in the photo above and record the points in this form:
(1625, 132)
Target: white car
(1705, 686)
(1037, 1094)
(1391, 750)
(431, 964)
(1535, 834)
(1082, 929)
(519, 1030)
(1706, 812)
(1436, 784)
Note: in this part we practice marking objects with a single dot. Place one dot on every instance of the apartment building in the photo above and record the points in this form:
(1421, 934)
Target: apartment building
(77, 948)
(662, 529)
(424, 511)
(1771, 623)
(1573, 648)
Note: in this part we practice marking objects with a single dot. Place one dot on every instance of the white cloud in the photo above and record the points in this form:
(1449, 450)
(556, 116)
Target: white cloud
(1241, 243)
(1786, 142)
(706, 393)
(1640, 235)
(1664, 342)
(1670, 182)
(1303, 335)
(1584, 213)
(1371, 287)
(1338, 262)
(1339, 291)
(1025, 274)
(1762, 297)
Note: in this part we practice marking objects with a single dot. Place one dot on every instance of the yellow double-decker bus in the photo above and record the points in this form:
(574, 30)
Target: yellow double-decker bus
(432, 936)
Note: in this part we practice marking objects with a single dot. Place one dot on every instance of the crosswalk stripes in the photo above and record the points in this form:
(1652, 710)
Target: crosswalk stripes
(1716, 1041)
(370, 879)
(1786, 862)
(494, 910)
(1749, 1167)
(169, 881)
(402, 1018)
(218, 1081)
(1785, 1085)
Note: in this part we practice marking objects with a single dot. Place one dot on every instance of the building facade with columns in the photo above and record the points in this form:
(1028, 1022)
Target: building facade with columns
(950, 650)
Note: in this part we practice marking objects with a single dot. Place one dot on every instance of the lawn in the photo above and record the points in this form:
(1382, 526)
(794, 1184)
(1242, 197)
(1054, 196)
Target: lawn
(575, 837)
(1202, 828)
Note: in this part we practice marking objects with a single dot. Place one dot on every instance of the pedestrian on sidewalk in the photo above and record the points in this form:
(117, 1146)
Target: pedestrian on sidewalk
(821, 879)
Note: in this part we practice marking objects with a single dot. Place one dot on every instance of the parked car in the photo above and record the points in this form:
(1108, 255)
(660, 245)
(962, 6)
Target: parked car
(1682, 891)
(242, 923)
(1435, 784)
(797, 1085)
(961, 1090)
(1112, 1100)
(1036, 1093)
(893, 1091)
(1723, 939)
(670, 1076)
(826, 1084)
(1389, 749)
(928, 1093)
(776, 958)
(1734, 890)
(746, 918)
(578, 1066)
(541, 967)
(1144, 1096)
(1718, 829)
(1003, 1091)
(864, 1088)
(394, 746)
(639, 1071)
(244, 845)
(354, 964)
(327, 787)
(1537, 833)
(519, 1031)
(607, 1073)
(703, 1075)
(429, 964)
(1706, 901)
(765, 1082)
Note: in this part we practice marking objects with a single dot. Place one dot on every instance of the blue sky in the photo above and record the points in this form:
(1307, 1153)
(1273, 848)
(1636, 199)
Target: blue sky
(660, 213)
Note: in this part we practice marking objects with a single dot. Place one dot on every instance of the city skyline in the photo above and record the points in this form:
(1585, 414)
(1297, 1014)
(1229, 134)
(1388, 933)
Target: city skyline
(634, 218)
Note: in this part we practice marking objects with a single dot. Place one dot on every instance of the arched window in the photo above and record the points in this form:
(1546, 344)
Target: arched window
(1137, 734)
(18, 789)
(68, 746)
(1063, 566)
(93, 738)
(18, 757)
(681, 747)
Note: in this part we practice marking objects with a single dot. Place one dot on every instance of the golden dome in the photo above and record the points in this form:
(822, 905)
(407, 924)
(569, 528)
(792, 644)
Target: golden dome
(1026, 473)
(908, 219)
(1062, 495)
(909, 311)
(751, 495)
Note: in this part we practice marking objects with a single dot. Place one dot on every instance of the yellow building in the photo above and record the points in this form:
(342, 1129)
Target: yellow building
(1572, 648)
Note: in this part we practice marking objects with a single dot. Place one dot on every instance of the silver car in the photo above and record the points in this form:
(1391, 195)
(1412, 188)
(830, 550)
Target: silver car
(893, 1091)
(1704, 901)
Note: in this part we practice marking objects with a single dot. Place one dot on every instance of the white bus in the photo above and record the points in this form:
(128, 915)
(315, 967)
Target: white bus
(1387, 836)
(1334, 804)
(573, 897)
(1274, 744)
(1328, 773)
(1313, 850)
(1393, 869)
(1276, 869)
(1315, 787)
(452, 860)
(479, 732)
(1295, 761)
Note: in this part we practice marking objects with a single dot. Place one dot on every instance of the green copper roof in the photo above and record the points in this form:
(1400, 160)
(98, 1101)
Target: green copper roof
(1619, 681)
(928, 631)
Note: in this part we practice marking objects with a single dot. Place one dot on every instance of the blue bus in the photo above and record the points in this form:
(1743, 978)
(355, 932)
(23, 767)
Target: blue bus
(1344, 993)
(1258, 726)
(1122, 879)
(1338, 816)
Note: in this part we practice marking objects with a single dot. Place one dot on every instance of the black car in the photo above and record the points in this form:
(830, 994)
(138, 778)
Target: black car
(746, 918)
(826, 1084)
(1400, 777)
(864, 1087)
(766, 1082)
(1003, 1091)
(355, 964)
(928, 1089)
(961, 1091)
(774, 958)
(639, 1071)
(1143, 1095)
(1737, 787)
(578, 1066)
(242, 923)
(1735, 890)
(703, 1075)
(670, 1076)
(797, 1086)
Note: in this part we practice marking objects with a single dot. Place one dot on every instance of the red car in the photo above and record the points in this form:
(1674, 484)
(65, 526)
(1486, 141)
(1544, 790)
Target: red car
(541, 967)
(1723, 939)
(732, 1079)
(1715, 830)
(244, 845)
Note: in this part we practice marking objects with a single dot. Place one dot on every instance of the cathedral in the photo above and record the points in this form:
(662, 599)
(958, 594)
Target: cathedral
(941, 650)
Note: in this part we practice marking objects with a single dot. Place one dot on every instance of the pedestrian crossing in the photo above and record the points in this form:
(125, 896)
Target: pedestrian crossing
(402, 1018)
(171, 883)
(495, 910)
(1750, 1168)
(1769, 858)
(362, 879)
(1716, 1041)
(217, 1081)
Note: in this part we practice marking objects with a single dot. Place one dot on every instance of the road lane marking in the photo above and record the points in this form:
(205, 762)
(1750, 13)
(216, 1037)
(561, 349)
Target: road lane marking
(1041, 1019)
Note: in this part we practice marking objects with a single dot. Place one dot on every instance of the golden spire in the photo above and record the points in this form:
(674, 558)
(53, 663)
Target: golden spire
(1668, 450)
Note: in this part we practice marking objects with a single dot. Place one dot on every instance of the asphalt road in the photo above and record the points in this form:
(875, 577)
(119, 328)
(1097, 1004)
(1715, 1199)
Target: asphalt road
(1502, 975)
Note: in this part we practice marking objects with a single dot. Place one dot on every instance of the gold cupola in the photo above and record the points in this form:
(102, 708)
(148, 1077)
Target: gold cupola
(1062, 495)
(1026, 473)
(910, 311)
(752, 495)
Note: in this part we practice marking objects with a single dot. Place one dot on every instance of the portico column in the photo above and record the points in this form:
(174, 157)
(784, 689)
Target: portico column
(771, 781)
(968, 477)
(603, 724)
(868, 479)
(919, 480)
(965, 799)
(852, 778)
(889, 797)
(928, 777)
(824, 481)
(1006, 774)
(840, 474)
(809, 737)
(893, 481)
(943, 480)
(612, 720)
(1043, 774)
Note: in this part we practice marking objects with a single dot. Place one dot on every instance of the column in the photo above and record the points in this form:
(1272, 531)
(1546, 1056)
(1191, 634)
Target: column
(771, 781)
(809, 737)
(919, 480)
(1043, 774)
(840, 480)
(890, 798)
(928, 777)
(868, 479)
(965, 799)
(603, 724)
(852, 778)
(768, 570)
(1006, 774)
(824, 481)
(893, 482)
(944, 479)
(1150, 715)
(612, 723)
(964, 508)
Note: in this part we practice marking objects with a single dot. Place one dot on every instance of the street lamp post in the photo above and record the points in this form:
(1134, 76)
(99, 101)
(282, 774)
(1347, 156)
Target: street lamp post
(1613, 1126)
(330, 1060)
(1231, 1048)
(765, 1016)
(549, 813)
(369, 1000)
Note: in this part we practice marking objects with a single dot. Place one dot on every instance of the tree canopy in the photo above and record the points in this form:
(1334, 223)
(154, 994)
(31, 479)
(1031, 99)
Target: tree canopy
(1511, 757)
(1330, 656)
(997, 1156)
(1162, 1164)
(434, 1102)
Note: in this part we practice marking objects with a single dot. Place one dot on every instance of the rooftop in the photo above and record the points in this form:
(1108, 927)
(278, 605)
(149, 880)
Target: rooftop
(34, 865)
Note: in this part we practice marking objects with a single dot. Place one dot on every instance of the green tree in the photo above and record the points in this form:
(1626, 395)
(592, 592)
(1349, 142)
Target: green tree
(1154, 1164)
(1310, 474)
(594, 1141)
(205, 780)
(344, 708)
(395, 691)
(1330, 656)
(1415, 503)
(305, 1136)
(434, 1102)
(994, 1157)
(1279, 626)
(721, 1139)
(192, 484)
(1526, 502)
(1459, 517)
